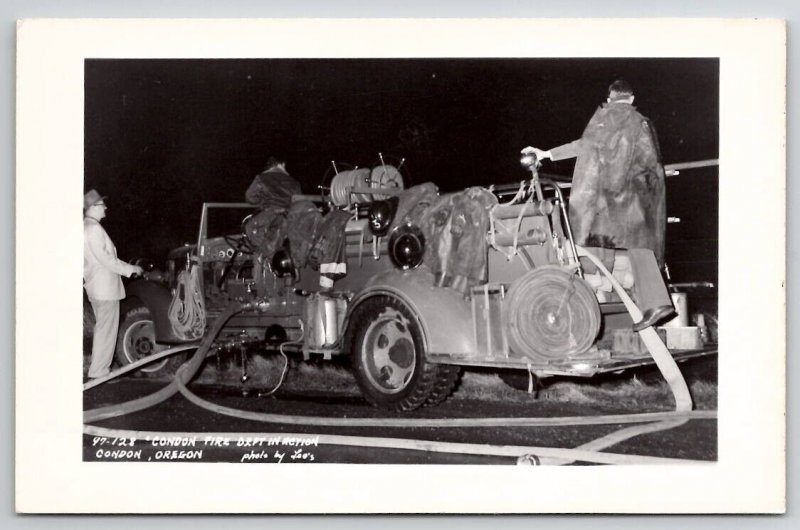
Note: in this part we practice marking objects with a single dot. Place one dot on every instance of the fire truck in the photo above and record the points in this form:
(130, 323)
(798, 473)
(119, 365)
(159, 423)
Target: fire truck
(399, 303)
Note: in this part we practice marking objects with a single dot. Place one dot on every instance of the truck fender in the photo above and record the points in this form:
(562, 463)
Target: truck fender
(157, 298)
(445, 317)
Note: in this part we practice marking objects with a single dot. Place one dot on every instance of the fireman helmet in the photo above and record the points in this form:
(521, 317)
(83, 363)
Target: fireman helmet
(281, 264)
(381, 215)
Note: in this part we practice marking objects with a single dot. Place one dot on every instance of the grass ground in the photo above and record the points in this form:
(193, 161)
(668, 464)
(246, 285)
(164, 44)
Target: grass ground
(635, 390)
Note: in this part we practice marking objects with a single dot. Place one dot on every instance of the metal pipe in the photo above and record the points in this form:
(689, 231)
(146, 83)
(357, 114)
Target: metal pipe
(533, 237)
(692, 165)
(691, 285)
(312, 198)
(564, 212)
(529, 209)
(378, 191)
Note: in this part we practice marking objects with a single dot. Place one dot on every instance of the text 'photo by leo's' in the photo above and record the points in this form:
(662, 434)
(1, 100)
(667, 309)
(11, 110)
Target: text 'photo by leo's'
(401, 261)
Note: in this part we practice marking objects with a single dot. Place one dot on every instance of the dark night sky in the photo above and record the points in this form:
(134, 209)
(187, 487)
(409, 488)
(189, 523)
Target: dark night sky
(162, 136)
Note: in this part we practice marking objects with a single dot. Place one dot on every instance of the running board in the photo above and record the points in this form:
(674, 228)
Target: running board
(586, 367)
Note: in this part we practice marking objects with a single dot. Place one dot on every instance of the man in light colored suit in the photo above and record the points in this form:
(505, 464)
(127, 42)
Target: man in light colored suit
(101, 279)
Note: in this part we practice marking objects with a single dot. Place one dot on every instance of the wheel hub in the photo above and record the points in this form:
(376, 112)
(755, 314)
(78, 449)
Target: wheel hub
(402, 353)
(389, 353)
(139, 342)
(143, 346)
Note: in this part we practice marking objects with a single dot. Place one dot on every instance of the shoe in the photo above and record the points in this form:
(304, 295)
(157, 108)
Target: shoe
(653, 316)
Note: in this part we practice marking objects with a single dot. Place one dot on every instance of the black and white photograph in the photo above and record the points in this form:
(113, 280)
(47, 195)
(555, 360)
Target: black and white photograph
(369, 249)
(407, 261)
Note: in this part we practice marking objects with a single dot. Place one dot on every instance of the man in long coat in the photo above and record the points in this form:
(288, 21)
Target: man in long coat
(618, 194)
(273, 187)
(101, 279)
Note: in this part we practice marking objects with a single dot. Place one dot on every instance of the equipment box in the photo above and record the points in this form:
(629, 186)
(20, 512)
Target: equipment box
(487, 314)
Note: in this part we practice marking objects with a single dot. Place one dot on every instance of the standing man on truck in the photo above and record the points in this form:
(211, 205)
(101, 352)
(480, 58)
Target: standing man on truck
(101, 279)
(618, 196)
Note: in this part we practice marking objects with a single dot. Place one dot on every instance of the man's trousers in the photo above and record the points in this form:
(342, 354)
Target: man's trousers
(106, 314)
(651, 292)
(649, 289)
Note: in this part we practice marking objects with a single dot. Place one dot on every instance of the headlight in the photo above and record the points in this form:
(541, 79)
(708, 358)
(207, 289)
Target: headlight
(407, 247)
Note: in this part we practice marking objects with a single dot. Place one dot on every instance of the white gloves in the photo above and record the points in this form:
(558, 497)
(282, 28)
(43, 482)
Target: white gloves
(541, 155)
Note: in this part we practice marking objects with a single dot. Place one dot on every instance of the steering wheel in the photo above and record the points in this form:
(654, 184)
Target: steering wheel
(246, 238)
(240, 243)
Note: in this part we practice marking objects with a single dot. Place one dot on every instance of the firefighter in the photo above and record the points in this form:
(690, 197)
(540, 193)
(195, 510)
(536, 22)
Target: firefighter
(618, 196)
(101, 279)
(273, 187)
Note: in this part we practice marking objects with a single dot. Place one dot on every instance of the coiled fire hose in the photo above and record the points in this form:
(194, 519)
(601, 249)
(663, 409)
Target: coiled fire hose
(344, 182)
(666, 365)
(187, 312)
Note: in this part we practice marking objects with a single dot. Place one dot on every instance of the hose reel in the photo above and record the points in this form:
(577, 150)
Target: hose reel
(551, 314)
(343, 184)
(365, 185)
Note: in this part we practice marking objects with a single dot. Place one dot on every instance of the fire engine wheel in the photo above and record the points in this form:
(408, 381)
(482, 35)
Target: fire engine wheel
(389, 358)
(136, 340)
(551, 314)
(448, 379)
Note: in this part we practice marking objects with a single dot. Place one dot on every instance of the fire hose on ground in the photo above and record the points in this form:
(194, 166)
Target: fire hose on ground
(141, 362)
(589, 452)
(664, 361)
(607, 419)
(191, 368)
(523, 454)
(560, 456)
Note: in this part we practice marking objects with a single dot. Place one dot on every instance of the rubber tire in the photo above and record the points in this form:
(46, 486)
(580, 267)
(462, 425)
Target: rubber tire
(428, 381)
(166, 367)
(447, 380)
